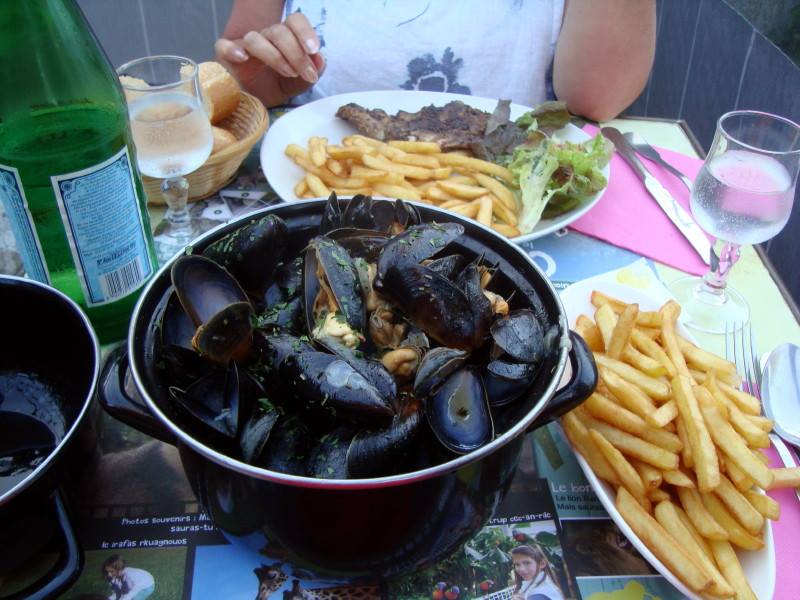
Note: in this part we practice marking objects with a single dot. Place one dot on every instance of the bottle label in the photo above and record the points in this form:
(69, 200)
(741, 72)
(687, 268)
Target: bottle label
(104, 225)
(19, 216)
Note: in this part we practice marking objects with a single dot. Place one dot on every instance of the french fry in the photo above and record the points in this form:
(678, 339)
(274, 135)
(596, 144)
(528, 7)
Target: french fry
(658, 495)
(470, 209)
(484, 216)
(631, 396)
(578, 435)
(648, 366)
(753, 435)
(316, 187)
(731, 569)
(316, 150)
(418, 160)
(686, 450)
(437, 194)
(698, 514)
(734, 447)
(503, 213)
(454, 159)
(738, 504)
(344, 152)
(507, 230)
(706, 361)
(606, 410)
(740, 479)
(704, 455)
(300, 188)
(768, 507)
(643, 319)
(624, 470)
(784, 477)
(737, 534)
(293, 151)
(651, 348)
(654, 388)
(586, 328)
(664, 414)
(632, 445)
(504, 195)
(380, 163)
(663, 545)
(335, 167)
(416, 147)
(651, 477)
(606, 320)
(678, 478)
(667, 515)
(621, 333)
(687, 522)
(461, 190)
(396, 191)
(669, 337)
(747, 403)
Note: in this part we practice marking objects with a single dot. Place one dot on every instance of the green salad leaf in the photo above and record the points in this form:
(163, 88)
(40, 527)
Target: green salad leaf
(554, 176)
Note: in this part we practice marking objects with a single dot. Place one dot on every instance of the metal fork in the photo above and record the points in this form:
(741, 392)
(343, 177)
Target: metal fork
(741, 350)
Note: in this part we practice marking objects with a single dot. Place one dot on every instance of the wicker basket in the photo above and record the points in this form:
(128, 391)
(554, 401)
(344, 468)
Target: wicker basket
(248, 124)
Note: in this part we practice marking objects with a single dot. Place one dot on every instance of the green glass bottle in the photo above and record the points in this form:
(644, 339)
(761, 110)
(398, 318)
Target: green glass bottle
(68, 177)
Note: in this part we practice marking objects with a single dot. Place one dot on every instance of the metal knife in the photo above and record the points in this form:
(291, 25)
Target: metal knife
(679, 216)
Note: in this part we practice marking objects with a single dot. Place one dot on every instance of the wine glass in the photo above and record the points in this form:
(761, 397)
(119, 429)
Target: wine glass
(743, 194)
(172, 135)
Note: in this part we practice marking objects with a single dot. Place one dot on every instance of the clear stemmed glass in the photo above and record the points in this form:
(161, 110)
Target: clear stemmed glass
(743, 194)
(173, 137)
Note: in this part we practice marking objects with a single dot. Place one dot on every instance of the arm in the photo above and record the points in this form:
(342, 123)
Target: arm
(272, 60)
(604, 54)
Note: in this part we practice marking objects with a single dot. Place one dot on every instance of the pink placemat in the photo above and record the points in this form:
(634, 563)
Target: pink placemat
(787, 541)
(628, 217)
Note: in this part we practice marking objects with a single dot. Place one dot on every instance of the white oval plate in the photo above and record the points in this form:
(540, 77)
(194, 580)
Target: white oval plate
(759, 566)
(319, 118)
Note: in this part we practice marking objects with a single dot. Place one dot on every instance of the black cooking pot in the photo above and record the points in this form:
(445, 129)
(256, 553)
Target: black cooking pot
(48, 372)
(380, 527)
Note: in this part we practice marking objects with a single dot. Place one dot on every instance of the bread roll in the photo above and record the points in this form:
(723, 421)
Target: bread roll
(220, 91)
(222, 139)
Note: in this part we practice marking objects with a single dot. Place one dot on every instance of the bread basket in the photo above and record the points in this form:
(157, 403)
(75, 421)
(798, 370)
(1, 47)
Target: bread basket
(248, 123)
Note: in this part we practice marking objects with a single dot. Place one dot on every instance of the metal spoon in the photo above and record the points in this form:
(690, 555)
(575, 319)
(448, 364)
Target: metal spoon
(780, 390)
(642, 147)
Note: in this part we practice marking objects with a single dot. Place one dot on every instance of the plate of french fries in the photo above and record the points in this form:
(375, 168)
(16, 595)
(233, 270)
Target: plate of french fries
(309, 153)
(673, 447)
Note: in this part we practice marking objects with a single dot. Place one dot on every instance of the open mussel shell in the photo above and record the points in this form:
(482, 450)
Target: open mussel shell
(228, 335)
(251, 253)
(520, 336)
(506, 381)
(204, 288)
(436, 366)
(458, 413)
(325, 256)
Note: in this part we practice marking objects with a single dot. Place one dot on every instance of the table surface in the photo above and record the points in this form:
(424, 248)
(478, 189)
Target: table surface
(111, 482)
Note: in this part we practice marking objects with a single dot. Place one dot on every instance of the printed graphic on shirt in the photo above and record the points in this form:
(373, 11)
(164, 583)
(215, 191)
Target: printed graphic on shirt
(427, 74)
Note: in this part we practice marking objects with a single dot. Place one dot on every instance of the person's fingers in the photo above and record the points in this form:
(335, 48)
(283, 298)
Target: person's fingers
(228, 50)
(289, 46)
(319, 63)
(299, 25)
(264, 50)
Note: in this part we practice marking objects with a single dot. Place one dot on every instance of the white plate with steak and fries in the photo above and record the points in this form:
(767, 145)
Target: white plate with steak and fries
(629, 431)
(311, 151)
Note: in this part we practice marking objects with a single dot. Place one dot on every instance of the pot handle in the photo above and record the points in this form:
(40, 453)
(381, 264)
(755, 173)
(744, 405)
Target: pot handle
(68, 567)
(119, 404)
(580, 386)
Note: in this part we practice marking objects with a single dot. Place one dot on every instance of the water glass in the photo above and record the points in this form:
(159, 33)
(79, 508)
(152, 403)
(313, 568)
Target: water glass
(173, 137)
(743, 194)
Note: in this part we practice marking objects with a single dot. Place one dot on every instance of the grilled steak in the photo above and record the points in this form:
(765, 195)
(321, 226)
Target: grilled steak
(454, 126)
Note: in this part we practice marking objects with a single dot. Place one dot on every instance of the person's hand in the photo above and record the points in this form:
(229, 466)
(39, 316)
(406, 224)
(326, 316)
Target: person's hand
(287, 52)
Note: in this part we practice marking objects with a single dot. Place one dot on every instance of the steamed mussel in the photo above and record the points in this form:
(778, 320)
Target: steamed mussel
(380, 346)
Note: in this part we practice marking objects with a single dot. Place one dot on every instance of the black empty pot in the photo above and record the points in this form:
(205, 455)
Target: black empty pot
(46, 340)
(380, 527)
